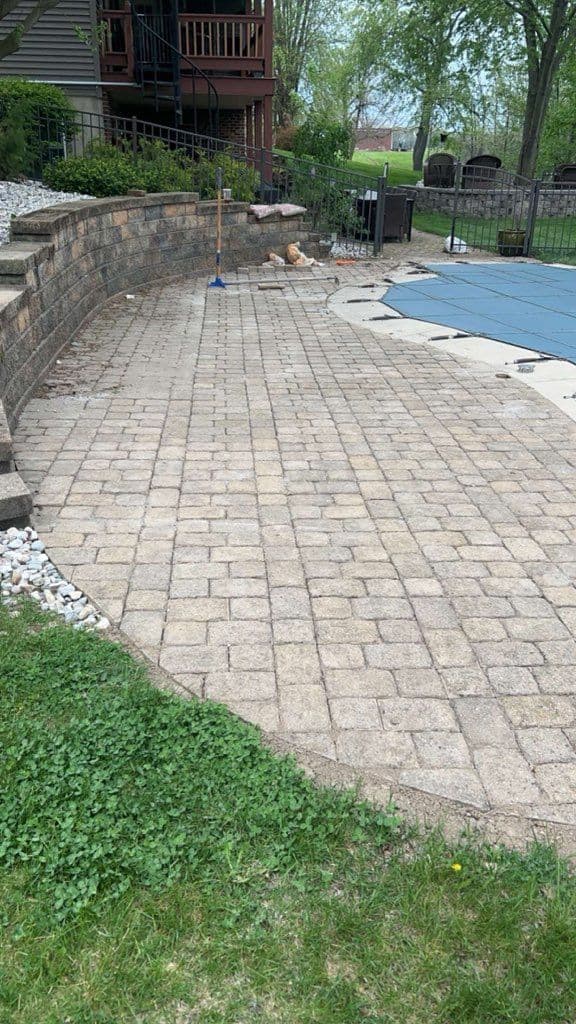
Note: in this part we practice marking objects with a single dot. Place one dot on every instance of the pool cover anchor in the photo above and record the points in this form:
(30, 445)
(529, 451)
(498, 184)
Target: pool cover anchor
(385, 316)
(448, 337)
(538, 358)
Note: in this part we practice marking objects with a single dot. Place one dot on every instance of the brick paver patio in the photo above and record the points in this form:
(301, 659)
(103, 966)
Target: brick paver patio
(366, 546)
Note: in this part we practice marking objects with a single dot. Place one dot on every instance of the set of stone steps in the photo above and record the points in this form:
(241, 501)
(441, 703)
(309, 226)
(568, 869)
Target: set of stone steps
(15, 498)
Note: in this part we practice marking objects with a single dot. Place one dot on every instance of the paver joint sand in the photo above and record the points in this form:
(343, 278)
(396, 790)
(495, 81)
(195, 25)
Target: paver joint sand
(366, 546)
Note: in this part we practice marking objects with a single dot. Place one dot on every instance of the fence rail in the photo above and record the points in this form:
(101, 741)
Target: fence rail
(498, 211)
(345, 206)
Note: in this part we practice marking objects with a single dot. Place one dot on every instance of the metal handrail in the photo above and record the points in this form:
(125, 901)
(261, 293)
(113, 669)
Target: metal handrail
(212, 91)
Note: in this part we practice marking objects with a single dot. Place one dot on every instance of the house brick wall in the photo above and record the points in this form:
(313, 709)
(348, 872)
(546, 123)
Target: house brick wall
(232, 126)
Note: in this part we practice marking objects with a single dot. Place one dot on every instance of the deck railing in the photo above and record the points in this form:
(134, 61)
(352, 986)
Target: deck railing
(241, 43)
(222, 38)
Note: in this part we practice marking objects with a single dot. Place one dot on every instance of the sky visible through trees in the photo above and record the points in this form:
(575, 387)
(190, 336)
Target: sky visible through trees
(495, 75)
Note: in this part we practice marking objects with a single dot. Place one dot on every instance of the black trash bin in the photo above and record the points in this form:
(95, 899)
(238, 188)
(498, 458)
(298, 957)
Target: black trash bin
(397, 216)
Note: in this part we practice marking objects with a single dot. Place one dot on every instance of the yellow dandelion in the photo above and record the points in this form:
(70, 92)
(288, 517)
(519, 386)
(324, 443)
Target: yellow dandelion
(456, 867)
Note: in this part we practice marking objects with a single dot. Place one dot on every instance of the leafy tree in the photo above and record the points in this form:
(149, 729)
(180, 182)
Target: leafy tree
(558, 140)
(429, 45)
(347, 79)
(489, 114)
(299, 30)
(329, 142)
(549, 35)
(10, 42)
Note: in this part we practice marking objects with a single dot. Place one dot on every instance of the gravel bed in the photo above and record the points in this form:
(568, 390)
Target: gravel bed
(19, 197)
(25, 569)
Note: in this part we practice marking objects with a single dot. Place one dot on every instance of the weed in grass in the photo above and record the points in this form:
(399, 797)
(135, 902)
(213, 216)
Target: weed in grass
(206, 881)
(110, 783)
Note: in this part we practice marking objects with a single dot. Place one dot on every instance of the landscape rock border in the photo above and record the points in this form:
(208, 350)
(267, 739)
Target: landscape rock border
(26, 571)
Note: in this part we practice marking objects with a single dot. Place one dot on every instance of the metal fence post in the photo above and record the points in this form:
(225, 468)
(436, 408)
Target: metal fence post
(531, 217)
(262, 171)
(134, 135)
(379, 218)
(457, 185)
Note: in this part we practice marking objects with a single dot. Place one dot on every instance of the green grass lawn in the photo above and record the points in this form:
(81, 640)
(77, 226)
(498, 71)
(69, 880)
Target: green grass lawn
(400, 166)
(434, 223)
(554, 238)
(158, 865)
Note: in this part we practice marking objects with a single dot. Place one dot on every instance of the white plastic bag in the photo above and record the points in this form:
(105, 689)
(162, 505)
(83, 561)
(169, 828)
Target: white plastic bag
(454, 244)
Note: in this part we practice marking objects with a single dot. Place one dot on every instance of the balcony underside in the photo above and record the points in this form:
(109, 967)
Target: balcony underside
(228, 99)
(227, 86)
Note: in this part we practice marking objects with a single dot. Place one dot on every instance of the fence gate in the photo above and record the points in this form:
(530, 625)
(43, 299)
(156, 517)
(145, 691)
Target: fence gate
(553, 237)
(492, 209)
(504, 213)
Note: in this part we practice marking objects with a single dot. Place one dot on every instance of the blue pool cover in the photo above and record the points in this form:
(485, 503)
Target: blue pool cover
(526, 304)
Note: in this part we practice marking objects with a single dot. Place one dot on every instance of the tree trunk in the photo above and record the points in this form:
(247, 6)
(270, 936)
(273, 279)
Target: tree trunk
(544, 58)
(419, 148)
(10, 43)
(420, 143)
(537, 102)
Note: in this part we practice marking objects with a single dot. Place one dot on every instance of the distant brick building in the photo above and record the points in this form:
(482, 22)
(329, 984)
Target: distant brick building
(385, 138)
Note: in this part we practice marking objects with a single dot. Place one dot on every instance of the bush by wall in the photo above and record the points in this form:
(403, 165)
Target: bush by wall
(13, 145)
(44, 113)
(108, 170)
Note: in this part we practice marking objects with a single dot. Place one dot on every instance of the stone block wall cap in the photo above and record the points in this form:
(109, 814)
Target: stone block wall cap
(18, 257)
(43, 222)
(230, 206)
(7, 295)
(15, 498)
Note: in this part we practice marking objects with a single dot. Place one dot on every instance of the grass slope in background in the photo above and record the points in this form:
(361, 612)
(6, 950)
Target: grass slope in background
(399, 166)
(159, 865)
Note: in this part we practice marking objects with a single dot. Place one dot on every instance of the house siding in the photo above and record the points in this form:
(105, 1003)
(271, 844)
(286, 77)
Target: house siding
(51, 50)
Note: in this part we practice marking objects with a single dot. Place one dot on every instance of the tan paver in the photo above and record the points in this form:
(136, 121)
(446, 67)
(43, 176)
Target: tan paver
(366, 546)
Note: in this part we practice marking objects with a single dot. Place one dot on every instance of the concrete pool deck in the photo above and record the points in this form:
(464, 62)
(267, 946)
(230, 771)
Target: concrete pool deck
(364, 545)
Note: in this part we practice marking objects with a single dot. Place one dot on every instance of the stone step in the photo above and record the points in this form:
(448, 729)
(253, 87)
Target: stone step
(15, 500)
(5, 443)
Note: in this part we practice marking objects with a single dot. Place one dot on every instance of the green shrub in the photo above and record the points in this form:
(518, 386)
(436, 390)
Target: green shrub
(326, 141)
(13, 145)
(96, 176)
(238, 177)
(44, 111)
(107, 170)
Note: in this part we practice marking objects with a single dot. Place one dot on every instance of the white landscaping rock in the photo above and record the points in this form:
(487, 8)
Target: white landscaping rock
(26, 569)
(19, 197)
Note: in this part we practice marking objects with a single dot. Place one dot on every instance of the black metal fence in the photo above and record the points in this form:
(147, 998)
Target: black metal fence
(351, 210)
(502, 212)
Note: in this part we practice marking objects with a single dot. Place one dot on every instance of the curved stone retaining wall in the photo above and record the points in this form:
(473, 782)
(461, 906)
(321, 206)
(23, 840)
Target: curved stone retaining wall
(66, 261)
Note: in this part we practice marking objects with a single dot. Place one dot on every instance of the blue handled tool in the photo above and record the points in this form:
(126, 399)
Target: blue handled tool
(218, 282)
